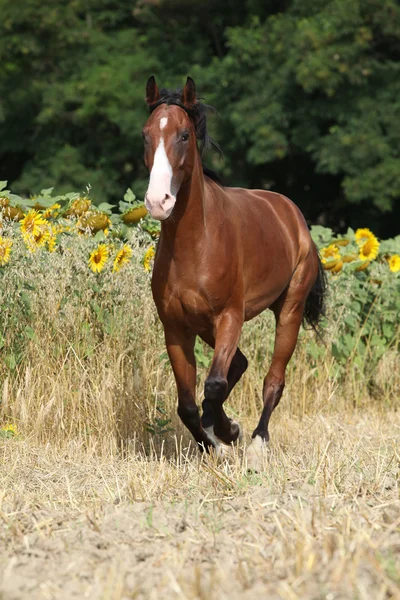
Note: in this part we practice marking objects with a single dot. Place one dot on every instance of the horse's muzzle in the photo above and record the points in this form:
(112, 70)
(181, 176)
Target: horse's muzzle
(160, 209)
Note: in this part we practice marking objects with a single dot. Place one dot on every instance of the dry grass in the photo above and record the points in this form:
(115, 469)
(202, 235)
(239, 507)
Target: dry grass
(323, 521)
(93, 505)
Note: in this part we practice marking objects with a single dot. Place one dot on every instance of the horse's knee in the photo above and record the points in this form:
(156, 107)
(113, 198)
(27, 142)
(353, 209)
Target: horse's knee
(215, 389)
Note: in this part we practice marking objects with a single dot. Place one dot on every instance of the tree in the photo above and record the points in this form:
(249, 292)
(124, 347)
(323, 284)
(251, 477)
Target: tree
(311, 101)
(307, 93)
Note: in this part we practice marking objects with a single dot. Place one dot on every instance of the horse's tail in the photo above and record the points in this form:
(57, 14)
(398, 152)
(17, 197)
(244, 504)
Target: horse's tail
(315, 304)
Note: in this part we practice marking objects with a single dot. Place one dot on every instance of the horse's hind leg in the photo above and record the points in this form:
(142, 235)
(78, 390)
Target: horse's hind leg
(288, 313)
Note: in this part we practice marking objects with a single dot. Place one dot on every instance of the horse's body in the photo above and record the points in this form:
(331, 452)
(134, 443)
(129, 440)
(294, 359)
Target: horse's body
(224, 256)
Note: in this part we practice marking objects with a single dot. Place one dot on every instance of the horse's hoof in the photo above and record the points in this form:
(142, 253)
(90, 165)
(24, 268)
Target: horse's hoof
(256, 455)
(240, 434)
(221, 450)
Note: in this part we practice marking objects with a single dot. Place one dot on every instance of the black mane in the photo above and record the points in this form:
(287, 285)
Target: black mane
(198, 114)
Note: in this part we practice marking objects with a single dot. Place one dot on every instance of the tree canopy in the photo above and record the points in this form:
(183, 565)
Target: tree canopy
(307, 94)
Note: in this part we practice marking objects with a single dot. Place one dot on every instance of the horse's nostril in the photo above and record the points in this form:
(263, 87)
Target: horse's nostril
(166, 197)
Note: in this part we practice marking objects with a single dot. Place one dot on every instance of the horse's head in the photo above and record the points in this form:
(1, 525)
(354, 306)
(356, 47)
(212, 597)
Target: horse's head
(169, 145)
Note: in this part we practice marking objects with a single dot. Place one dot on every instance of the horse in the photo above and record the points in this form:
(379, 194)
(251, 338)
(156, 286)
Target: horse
(223, 256)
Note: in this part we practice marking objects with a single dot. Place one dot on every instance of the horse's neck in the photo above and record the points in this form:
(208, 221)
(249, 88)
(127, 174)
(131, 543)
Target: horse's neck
(187, 228)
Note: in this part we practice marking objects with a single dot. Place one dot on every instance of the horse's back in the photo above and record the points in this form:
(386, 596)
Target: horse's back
(264, 204)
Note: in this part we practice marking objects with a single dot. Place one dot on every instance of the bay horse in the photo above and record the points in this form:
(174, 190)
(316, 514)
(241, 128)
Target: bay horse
(224, 255)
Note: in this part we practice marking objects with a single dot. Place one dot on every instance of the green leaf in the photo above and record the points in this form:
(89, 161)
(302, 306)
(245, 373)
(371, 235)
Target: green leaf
(46, 202)
(105, 207)
(100, 236)
(11, 361)
(46, 192)
(129, 196)
(30, 332)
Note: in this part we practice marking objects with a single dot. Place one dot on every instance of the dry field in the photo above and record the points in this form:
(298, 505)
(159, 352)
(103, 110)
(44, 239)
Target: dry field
(322, 521)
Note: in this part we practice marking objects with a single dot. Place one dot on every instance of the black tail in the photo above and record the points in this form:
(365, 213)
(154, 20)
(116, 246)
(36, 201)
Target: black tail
(315, 303)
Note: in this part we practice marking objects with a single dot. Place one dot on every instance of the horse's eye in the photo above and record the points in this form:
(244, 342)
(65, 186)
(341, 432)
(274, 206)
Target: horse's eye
(185, 137)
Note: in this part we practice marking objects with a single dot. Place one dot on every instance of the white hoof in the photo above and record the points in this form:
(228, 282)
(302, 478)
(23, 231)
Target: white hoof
(256, 455)
(221, 450)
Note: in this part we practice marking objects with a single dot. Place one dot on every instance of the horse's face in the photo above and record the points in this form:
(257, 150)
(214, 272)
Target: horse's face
(169, 149)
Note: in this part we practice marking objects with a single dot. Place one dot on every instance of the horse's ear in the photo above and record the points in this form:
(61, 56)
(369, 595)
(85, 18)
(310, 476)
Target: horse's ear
(152, 91)
(188, 97)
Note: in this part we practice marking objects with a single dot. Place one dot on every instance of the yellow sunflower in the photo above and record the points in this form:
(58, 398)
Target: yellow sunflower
(32, 223)
(394, 263)
(369, 249)
(363, 234)
(39, 239)
(52, 211)
(330, 253)
(98, 258)
(123, 256)
(52, 241)
(5, 250)
(148, 257)
(367, 243)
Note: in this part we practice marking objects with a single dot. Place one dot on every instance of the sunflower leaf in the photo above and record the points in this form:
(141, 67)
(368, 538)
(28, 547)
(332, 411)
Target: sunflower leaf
(46, 191)
(105, 206)
(129, 196)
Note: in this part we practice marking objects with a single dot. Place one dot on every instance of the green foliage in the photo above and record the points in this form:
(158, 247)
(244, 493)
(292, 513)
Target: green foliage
(365, 305)
(160, 423)
(308, 95)
(314, 92)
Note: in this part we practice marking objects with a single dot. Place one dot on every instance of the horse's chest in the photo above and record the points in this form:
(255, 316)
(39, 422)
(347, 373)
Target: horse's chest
(186, 306)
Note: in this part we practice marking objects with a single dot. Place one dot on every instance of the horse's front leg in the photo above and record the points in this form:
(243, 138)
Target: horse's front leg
(227, 333)
(180, 347)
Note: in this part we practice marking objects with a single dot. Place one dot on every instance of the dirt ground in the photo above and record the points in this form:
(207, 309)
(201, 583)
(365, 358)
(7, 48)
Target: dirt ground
(322, 521)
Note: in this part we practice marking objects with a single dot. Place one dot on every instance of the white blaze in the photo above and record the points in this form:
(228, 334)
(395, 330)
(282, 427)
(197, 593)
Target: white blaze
(160, 198)
(161, 173)
(163, 122)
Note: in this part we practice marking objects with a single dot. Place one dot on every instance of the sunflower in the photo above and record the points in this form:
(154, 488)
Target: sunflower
(39, 239)
(123, 256)
(337, 267)
(347, 258)
(369, 249)
(98, 258)
(148, 257)
(52, 211)
(394, 263)
(32, 223)
(52, 241)
(363, 234)
(78, 207)
(363, 265)
(329, 253)
(5, 250)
